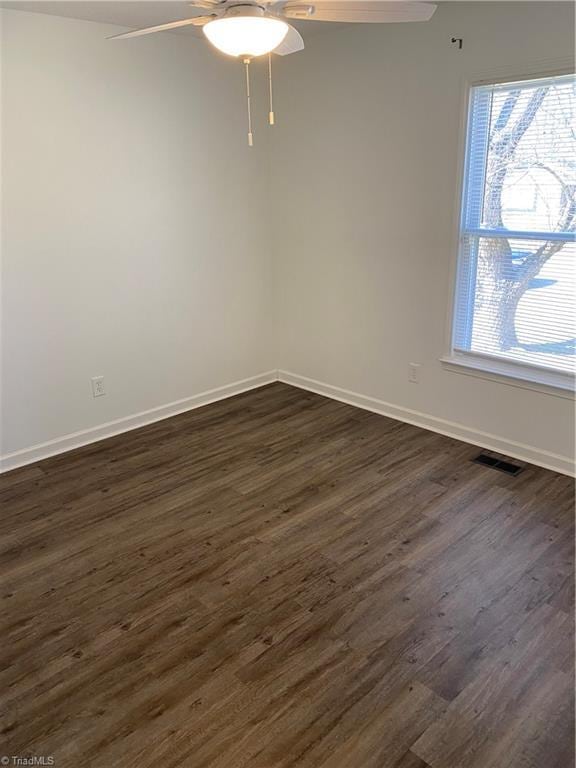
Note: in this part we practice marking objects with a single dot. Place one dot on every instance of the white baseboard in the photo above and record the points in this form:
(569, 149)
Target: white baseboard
(529, 453)
(109, 429)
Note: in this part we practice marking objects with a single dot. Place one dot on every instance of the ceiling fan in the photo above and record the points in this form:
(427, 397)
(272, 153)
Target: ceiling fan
(250, 28)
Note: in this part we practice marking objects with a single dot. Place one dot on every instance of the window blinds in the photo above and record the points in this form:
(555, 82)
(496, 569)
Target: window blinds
(515, 292)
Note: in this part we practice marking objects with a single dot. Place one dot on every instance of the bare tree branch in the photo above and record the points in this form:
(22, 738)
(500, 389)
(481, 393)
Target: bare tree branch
(509, 279)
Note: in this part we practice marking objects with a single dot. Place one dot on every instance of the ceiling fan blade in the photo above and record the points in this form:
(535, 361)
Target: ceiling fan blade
(206, 4)
(293, 10)
(198, 21)
(291, 44)
(362, 11)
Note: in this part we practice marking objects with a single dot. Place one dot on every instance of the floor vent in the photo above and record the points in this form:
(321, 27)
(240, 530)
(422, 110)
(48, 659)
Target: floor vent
(501, 464)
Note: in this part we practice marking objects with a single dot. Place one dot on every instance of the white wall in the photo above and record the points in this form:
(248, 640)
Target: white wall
(134, 241)
(135, 233)
(364, 167)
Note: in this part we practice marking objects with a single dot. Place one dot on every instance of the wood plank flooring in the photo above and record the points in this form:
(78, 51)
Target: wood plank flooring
(283, 581)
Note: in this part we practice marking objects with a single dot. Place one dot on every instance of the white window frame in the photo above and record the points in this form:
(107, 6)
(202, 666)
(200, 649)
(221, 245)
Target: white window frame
(510, 372)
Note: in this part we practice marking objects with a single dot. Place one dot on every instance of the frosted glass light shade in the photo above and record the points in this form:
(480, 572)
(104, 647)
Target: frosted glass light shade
(246, 35)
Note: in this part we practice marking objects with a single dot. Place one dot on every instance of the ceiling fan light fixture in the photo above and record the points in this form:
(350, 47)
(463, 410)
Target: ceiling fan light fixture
(246, 35)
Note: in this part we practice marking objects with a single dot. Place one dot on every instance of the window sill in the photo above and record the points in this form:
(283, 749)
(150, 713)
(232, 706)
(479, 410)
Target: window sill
(547, 383)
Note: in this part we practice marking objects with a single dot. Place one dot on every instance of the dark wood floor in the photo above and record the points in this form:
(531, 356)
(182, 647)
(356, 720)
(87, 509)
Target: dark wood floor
(278, 581)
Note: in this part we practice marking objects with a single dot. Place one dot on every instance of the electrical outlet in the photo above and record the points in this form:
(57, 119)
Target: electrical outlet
(98, 386)
(414, 373)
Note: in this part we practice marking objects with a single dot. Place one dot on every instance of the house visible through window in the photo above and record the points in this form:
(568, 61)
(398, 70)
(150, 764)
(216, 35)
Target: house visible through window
(515, 291)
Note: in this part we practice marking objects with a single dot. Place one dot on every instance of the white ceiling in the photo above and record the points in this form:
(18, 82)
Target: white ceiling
(146, 13)
(131, 13)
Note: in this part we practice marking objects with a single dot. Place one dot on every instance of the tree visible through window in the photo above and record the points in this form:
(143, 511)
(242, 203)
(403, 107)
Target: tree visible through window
(517, 265)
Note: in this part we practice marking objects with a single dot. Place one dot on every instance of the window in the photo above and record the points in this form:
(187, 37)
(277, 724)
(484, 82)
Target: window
(515, 290)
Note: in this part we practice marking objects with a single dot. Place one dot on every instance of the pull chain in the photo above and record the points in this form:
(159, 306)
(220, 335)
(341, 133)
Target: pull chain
(250, 137)
(271, 113)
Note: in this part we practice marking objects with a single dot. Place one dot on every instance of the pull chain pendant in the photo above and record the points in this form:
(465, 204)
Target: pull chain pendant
(271, 113)
(250, 136)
